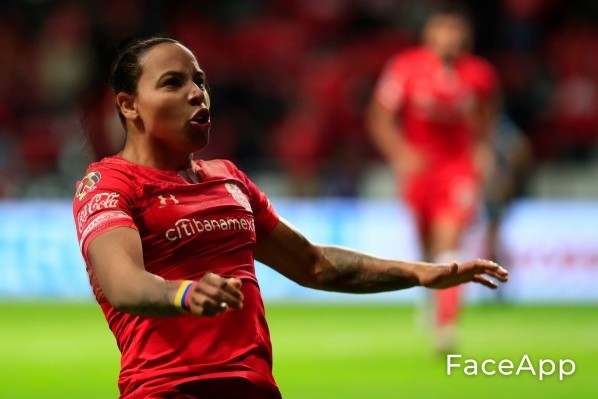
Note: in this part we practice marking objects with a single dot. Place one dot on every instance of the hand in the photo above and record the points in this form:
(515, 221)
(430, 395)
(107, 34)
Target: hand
(444, 275)
(214, 294)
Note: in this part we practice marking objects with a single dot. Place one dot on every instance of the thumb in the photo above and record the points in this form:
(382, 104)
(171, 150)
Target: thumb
(235, 282)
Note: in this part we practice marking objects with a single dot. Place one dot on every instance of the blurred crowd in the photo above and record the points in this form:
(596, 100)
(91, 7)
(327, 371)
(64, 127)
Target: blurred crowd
(289, 79)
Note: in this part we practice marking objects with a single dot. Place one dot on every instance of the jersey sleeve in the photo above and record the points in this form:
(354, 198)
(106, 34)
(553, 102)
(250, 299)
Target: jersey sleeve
(390, 88)
(102, 202)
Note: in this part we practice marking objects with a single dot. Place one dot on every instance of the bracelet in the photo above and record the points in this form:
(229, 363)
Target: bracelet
(182, 297)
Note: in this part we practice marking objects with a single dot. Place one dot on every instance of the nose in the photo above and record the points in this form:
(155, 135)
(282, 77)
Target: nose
(197, 96)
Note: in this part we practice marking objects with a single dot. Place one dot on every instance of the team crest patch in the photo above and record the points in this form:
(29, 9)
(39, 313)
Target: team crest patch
(238, 195)
(87, 184)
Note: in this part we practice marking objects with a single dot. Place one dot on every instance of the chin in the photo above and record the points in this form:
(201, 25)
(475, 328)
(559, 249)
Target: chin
(200, 143)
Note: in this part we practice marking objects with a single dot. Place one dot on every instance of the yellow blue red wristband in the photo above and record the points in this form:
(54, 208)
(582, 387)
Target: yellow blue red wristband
(183, 295)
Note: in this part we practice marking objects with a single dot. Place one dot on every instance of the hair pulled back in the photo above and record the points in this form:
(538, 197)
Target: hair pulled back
(125, 70)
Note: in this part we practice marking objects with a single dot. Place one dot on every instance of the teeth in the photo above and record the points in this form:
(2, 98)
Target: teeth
(201, 119)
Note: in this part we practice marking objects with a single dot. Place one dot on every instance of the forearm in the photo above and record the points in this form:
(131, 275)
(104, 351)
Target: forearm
(390, 143)
(344, 270)
(150, 296)
(116, 259)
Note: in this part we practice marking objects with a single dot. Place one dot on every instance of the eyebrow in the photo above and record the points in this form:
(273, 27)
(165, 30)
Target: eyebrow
(197, 74)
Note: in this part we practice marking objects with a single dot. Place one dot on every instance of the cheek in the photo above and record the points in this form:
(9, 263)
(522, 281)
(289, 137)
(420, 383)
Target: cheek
(455, 37)
(161, 111)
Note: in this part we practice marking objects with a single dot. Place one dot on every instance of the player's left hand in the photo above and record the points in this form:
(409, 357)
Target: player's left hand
(444, 275)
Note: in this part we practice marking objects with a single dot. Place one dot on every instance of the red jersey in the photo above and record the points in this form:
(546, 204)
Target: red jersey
(186, 230)
(436, 102)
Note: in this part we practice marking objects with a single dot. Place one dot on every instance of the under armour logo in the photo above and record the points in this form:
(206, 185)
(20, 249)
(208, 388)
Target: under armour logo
(163, 200)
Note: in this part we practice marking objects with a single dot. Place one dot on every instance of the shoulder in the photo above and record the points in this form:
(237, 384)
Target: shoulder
(478, 64)
(414, 53)
(410, 61)
(420, 55)
(104, 197)
(110, 173)
(410, 55)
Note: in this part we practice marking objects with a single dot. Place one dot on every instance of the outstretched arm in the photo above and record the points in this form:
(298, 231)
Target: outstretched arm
(343, 270)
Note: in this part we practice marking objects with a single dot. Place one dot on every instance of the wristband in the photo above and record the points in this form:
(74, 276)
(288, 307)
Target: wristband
(183, 295)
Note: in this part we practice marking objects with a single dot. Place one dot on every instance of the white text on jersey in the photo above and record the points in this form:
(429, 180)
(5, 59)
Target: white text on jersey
(190, 227)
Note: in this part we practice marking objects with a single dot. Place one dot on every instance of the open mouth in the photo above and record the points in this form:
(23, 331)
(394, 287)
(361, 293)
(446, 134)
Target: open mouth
(201, 117)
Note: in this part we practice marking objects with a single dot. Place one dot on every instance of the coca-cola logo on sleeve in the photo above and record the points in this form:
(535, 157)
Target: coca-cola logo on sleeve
(99, 202)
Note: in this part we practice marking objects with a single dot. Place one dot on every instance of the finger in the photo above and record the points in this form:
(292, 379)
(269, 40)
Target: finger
(224, 290)
(206, 306)
(502, 272)
(233, 287)
(235, 283)
(495, 271)
(502, 276)
(212, 279)
(220, 295)
(488, 266)
(231, 295)
(481, 279)
(492, 265)
(230, 285)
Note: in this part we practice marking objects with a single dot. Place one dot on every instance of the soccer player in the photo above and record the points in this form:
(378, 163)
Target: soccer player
(431, 116)
(170, 241)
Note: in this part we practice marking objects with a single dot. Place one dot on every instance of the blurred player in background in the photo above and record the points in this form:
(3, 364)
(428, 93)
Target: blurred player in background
(514, 157)
(170, 242)
(432, 116)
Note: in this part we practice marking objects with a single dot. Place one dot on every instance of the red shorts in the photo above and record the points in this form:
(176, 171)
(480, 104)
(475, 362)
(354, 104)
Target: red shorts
(450, 194)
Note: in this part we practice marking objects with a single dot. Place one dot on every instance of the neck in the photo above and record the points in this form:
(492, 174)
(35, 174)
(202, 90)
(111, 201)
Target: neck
(446, 57)
(155, 155)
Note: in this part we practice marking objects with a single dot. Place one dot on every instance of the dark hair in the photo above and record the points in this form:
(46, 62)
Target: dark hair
(125, 70)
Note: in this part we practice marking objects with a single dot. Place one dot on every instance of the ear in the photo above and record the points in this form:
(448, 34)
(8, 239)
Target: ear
(126, 104)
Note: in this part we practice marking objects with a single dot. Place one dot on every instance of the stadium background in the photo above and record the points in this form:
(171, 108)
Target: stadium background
(289, 81)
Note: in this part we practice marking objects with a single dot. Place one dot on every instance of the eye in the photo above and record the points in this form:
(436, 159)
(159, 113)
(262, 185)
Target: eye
(173, 82)
(200, 82)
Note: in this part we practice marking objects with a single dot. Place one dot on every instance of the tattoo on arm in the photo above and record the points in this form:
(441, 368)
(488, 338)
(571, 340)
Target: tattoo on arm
(349, 271)
(154, 302)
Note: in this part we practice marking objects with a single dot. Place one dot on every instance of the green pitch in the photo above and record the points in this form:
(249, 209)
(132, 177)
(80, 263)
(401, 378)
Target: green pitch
(62, 351)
